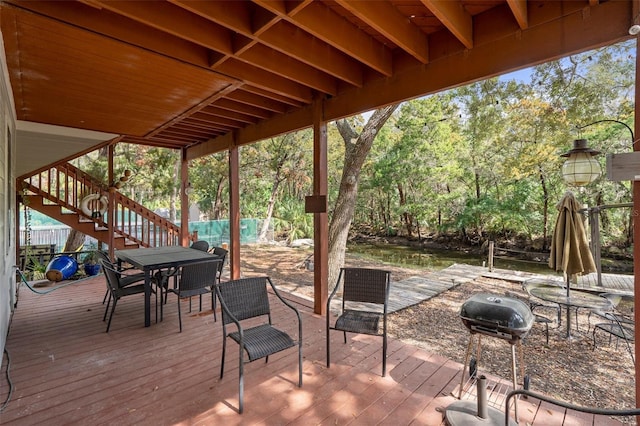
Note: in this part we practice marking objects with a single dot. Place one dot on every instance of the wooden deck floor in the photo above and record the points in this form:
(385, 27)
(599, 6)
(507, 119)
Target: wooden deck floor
(66, 370)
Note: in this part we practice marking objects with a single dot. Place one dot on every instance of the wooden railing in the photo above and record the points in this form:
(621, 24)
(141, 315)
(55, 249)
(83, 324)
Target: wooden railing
(67, 186)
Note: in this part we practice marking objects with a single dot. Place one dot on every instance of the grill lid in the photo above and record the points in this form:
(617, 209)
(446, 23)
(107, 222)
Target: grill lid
(496, 314)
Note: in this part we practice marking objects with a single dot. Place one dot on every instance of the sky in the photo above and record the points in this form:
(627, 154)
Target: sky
(522, 76)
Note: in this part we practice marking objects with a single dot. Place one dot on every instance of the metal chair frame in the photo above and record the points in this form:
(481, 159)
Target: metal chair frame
(370, 289)
(247, 299)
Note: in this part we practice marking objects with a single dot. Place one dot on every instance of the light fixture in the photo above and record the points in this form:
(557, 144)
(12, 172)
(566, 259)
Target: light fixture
(119, 183)
(634, 29)
(188, 190)
(581, 167)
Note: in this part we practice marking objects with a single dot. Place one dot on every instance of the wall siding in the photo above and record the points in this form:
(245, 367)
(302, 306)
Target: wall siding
(7, 201)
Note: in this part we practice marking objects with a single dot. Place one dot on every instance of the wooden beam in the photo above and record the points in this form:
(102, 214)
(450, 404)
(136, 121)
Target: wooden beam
(454, 17)
(280, 36)
(325, 24)
(386, 19)
(519, 9)
(501, 54)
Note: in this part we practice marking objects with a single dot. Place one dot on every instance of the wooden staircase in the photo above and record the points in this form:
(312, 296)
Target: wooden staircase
(59, 191)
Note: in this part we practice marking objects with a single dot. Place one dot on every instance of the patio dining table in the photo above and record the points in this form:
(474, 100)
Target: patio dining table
(576, 299)
(156, 258)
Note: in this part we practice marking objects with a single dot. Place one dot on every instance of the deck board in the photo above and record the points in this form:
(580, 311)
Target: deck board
(67, 370)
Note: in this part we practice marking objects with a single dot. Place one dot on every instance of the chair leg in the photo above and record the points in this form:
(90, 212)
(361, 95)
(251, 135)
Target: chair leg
(113, 308)
(384, 355)
(300, 364)
(345, 337)
(241, 382)
(106, 294)
(213, 306)
(328, 348)
(224, 350)
(180, 314)
(104, 318)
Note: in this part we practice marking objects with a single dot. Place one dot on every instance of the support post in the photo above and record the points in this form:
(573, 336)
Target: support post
(234, 212)
(111, 202)
(184, 199)
(320, 217)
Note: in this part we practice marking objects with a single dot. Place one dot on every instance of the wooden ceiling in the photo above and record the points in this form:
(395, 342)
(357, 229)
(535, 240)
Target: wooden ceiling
(208, 75)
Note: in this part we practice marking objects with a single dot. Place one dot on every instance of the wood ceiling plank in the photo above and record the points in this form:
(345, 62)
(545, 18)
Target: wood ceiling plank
(325, 24)
(120, 28)
(257, 101)
(235, 106)
(105, 84)
(455, 18)
(271, 95)
(265, 80)
(382, 16)
(225, 113)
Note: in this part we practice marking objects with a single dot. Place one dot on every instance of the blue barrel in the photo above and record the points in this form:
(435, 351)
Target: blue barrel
(61, 268)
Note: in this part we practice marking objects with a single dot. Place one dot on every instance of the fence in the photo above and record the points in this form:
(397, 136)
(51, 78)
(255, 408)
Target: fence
(215, 232)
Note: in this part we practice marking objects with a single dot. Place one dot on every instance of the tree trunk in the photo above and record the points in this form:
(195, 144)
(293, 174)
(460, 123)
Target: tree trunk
(272, 201)
(406, 216)
(545, 210)
(357, 148)
(217, 205)
(75, 240)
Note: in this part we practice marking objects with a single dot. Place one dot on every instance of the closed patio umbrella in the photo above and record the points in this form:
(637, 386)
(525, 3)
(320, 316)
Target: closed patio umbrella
(570, 251)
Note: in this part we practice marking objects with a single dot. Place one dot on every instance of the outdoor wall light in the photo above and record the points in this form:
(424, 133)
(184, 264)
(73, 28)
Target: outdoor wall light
(124, 178)
(581, 167)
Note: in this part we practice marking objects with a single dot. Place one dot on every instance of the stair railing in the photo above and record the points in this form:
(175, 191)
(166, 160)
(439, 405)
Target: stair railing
(68, 186)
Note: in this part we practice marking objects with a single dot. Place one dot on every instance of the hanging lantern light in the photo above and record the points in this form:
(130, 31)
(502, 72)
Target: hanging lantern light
(581, 167)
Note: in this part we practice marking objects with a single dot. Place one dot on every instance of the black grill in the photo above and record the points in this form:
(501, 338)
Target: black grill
(498, 316)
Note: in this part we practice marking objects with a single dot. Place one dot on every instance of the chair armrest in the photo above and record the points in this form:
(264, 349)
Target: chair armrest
(225, 308)
(289, 305)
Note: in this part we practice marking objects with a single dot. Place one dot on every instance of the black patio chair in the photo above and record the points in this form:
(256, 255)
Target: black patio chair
(365, 298)
(195, 279)
(616, 324)
(201, 245)
(535, 302)
(126, 279)
(247, 299)
(117, 287)
(161, 278)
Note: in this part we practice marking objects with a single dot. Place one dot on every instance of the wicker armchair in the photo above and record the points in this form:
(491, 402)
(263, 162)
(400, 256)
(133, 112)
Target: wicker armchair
(196, 279)
(247, 299)
(118, 287)
(161, 278)
(125, 279)
(365, 297)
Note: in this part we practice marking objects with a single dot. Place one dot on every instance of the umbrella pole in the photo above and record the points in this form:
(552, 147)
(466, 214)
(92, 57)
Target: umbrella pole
(567, 276)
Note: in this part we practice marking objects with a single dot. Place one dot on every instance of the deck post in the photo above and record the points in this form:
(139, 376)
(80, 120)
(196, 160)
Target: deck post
(320, 217)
